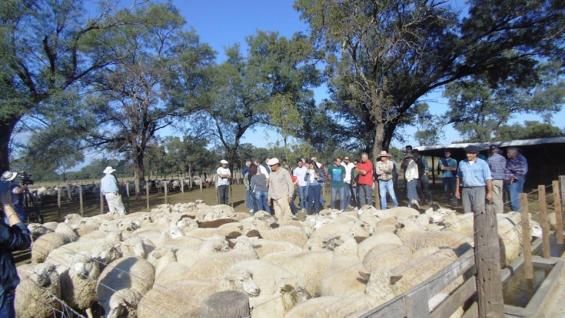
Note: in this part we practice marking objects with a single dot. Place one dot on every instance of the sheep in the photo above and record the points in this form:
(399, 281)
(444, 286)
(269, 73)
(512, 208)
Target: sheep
(37, 230)
(286, 233)
(377, 239)
(181, 298)
(279, 304)
(44, 245)
(36, 296)
(123, 303)
(342, 278)
(266, 247)
(386, 257)
(356, 229)
(162, 257)
(132, 273)
(50, 225)
(334, 307)
(215, 212)
(309, 267)
(67, 231)
(78, 283)
(136, 247)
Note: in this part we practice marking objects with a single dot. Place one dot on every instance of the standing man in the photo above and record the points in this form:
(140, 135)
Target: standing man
(473, 176)
(337, 176)
(365, 180)
(280, 190)
(14, 236)
(348, 191)
(497, 165)
(448, 170)
(516, 170)
(223, 182)
(411, 176)
(300, 173)
(385, 169)
(111, 191)
(423, 180)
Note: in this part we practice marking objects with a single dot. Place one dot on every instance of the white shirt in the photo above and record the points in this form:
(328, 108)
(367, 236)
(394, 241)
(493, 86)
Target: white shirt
(348, 168)
(411, 171)
(223, 181)
(264, 171)
(300, 174)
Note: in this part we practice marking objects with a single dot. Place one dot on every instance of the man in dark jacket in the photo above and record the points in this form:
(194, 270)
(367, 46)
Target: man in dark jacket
(13, 236)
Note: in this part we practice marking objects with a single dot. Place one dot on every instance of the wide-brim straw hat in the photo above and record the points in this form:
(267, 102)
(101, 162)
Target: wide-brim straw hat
(384, 154)
(109, 170)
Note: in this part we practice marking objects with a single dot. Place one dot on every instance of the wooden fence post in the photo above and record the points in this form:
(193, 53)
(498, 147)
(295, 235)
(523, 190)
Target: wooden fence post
(526, 237)
(487, 262)
(127, 188)
(80, 200)
(201, 182)
(557, 207)
(147, 193)
(101, 203)
(166, 190)
(182, 184)
(59, 201)
(543, 221)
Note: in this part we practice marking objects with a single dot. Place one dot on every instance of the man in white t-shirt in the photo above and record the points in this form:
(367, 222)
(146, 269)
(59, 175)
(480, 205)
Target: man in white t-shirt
(349, 191)
(265, 169)
(223, 182)
(300, 173)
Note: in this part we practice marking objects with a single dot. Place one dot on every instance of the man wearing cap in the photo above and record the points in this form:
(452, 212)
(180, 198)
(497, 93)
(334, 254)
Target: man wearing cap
(110, 190)
(448, 170)
(223, 182)
(281, 189)
(384, 168)
(473, 176)
(17, 193)
(349, 191)
(497, 165)
(14, 236)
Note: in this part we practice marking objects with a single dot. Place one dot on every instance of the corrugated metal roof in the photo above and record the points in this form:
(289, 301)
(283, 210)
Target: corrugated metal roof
(503, 144)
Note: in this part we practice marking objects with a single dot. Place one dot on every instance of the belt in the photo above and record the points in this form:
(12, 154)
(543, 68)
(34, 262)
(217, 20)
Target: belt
(110, 193)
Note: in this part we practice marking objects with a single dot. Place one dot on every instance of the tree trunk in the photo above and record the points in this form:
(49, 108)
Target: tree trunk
(138, 171)
(6, 128)
(379, 139)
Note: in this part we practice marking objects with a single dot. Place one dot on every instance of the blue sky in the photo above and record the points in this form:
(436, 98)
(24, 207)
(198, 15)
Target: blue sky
(222, 23)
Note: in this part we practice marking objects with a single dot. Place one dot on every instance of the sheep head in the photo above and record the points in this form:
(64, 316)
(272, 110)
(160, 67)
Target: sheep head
(123, 303)
(535, 229)
(85, 267)
(292, 296)
(45, 275)
(241, 279)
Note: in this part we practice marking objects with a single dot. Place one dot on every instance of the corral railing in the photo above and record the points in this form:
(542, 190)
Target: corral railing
(415, 303)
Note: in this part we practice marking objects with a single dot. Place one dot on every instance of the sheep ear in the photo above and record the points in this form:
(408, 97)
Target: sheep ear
(395, 278)
(365, 276)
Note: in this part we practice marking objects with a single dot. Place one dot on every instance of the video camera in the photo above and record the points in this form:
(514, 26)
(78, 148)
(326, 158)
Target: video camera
(26, 178)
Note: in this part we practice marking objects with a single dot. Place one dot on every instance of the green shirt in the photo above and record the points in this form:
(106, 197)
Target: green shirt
(337, 174)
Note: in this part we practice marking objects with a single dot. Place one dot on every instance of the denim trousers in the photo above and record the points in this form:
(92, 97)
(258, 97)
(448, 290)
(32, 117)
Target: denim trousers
(449, 187)
(303, 197)
(262, 202)
(338, 192)
(7, 309)
(250, 200)
(223, 194)
(384, 188)
(347, 194)
(412, 191)
(365, 195)
(314, 192)
(514, 190)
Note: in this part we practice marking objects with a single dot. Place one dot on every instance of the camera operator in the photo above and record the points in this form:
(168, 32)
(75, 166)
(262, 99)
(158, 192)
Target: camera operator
(17, 192)
(14, 236)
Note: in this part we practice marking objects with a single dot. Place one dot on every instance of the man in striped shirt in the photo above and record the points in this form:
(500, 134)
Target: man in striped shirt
(516, 170)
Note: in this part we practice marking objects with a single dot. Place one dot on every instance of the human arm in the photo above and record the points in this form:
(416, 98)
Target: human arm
(457, 187)
(489, 191)
(16, 236)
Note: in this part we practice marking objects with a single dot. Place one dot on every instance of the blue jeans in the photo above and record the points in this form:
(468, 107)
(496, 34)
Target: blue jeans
(412, 191)
(384, 187)
(314, 192)
(449, 187)
(338, 192)
(347, 194)
(7, 310)
(365, 195)
(250, 200)
(262, 202)
(303, 197)
(514, 190)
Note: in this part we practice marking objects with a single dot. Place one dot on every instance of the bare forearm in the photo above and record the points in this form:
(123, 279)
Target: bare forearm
(489, 186)
(11, 215)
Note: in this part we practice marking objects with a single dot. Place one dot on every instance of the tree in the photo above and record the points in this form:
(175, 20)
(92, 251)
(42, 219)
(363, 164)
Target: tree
(529, 129)
(46, 47)
(248, 90)
(134, 100)
(383, 56)
(478, 110)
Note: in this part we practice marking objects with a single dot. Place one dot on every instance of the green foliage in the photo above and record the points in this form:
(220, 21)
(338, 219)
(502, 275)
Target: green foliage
(382, 56)
(530, 129)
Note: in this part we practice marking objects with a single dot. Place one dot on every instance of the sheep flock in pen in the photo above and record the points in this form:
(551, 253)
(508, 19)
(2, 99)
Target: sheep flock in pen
(168, 262)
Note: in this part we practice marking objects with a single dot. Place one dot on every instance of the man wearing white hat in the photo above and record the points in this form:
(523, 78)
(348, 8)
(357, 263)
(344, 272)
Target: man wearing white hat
(223, 182)
(110, 190)
(384, 168)
(281, 189)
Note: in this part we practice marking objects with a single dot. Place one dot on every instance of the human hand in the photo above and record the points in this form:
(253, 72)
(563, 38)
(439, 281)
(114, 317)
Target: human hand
(457, 195)
(489, 197)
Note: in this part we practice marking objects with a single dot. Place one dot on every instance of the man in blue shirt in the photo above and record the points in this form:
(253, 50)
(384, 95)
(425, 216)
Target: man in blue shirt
(497, 165)
(516, 170)
(14, 236)
(473, 176)
(110, 190)
(448, 168)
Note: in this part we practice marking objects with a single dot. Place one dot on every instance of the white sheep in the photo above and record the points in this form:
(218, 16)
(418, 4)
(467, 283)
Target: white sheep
(78, 282)
(342, 278)
(386, 257)
(36, 296)
(41, 248)
(286, 233)
(379, 238)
